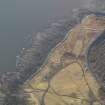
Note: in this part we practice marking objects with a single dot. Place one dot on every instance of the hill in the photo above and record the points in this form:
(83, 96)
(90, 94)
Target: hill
(66, 78)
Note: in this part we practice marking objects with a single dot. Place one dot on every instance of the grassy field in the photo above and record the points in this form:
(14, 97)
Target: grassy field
(65, 79)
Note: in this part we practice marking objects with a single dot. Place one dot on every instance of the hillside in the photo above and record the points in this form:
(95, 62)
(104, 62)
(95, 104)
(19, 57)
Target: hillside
(34, 53)
(65, 78)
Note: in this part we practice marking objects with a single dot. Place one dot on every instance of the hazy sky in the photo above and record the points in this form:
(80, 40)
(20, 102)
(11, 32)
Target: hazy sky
(32, 12)
(20, 17)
